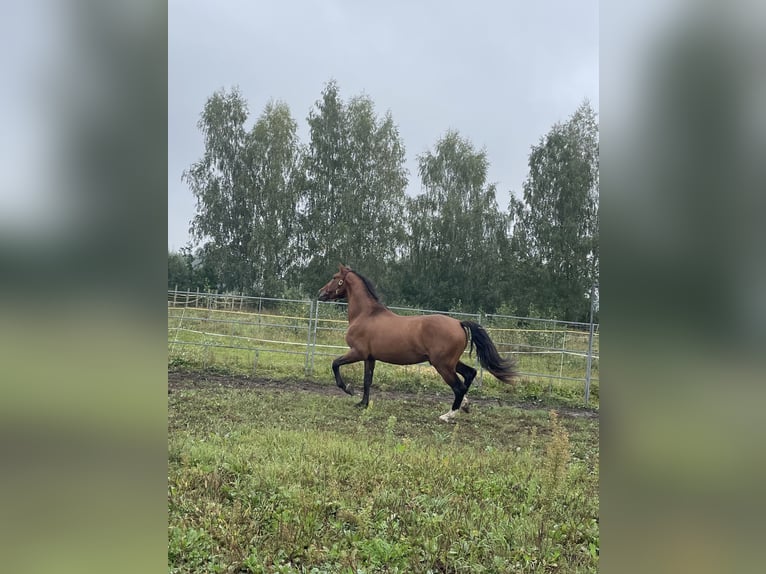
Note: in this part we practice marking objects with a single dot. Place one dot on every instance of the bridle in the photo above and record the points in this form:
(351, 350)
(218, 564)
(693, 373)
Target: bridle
(340, 284)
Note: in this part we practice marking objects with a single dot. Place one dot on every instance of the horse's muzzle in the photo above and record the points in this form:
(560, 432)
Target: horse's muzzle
(323, 296)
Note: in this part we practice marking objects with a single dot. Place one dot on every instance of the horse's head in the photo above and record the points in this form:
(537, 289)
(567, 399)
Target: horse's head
(336, 287)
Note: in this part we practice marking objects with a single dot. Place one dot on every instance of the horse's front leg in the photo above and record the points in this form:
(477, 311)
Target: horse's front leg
(351, 357)
(369, 369)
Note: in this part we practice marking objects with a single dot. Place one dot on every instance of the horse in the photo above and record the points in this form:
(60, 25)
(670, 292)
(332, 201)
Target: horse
(375, 333)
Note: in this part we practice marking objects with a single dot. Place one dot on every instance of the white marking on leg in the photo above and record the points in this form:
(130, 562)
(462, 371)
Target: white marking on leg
(446, 417)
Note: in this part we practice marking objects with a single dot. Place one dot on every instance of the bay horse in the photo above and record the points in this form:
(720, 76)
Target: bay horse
(375, 333)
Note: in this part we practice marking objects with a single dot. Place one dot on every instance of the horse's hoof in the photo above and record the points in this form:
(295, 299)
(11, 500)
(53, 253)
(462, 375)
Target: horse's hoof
(349, 391)
(447, 418)
(464, 407)
(361, 405)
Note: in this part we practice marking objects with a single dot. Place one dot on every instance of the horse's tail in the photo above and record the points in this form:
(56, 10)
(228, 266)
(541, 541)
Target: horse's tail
(490, 359)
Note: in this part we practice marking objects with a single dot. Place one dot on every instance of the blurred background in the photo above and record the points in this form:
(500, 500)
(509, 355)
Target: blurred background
(82, 269)
(684, 278)
(82, 285)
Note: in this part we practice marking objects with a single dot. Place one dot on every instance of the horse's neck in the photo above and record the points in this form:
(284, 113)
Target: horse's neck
(360, 302)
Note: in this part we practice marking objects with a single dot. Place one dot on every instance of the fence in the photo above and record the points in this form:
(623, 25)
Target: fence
(293, 333)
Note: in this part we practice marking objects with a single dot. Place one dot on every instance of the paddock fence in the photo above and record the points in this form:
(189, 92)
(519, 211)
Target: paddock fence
(292, 337)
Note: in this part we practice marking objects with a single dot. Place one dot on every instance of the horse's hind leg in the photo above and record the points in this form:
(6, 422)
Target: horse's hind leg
(469, 374)
(458, 387)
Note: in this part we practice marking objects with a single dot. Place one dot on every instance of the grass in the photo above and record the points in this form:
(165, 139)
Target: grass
(273, 343)
(265, 479)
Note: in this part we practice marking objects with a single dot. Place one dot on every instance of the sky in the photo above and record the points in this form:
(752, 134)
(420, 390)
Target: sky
(500, 73)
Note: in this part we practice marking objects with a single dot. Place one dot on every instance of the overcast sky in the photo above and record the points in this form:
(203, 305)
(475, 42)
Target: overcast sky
(500, 72)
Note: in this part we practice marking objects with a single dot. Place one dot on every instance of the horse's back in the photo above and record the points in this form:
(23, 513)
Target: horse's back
(444, 336)
(404, 340)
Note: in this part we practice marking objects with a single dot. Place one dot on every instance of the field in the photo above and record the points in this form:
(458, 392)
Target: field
(286, 475)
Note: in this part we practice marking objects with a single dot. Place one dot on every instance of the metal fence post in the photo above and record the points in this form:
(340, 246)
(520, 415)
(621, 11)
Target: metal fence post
(314, 346)
(588, 367)
(180, 321)
(561, 364)
(481, 369)
(590, 347)
(308, 337)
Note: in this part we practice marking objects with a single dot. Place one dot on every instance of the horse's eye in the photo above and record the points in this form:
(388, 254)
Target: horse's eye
(340, 282)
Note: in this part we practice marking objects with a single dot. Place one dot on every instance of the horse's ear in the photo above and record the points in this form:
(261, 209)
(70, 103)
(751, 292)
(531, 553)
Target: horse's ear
(343, 268)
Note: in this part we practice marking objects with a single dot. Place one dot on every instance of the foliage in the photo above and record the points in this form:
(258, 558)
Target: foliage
(275, 215)
(219, 183)
(274, 164)
(190, 270)
(245, 193)
(457, 232)
(353, 191)
(555, 236)
(180, 271)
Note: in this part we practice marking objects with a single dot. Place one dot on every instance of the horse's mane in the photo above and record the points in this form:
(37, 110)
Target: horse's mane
(368, 284)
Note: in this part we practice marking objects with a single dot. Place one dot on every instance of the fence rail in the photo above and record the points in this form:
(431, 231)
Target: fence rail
(545, 349)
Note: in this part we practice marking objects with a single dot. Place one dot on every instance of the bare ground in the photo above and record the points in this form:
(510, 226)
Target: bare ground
(181, 380)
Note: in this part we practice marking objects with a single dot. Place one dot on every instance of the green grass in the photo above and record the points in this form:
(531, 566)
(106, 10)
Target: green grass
(206, 335)
(264, 479)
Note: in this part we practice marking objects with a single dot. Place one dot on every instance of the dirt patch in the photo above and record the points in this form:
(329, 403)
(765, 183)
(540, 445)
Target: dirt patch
(182, 380)
(201, 379)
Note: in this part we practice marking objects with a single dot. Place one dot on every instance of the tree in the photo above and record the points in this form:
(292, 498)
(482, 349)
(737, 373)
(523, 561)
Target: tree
(457, 233)
(274, 159)
(555, 234)
(353, 189)
(179, 271)
(220, 183)
(246, 197)
(190, 269)
(376, 180)
(322, 187)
